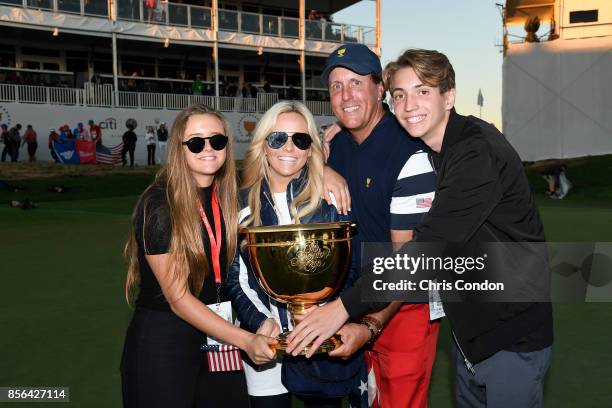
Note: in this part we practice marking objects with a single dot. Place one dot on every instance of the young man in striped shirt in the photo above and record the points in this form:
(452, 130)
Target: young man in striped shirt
(391, 185)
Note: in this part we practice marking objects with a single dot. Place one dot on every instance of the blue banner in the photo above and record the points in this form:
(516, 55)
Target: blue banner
(66, 152)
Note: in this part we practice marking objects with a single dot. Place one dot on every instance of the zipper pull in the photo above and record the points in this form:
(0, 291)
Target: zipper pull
(469, 366)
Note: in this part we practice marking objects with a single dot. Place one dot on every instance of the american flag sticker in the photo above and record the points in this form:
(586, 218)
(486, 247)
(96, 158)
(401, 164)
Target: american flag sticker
(223, 358)
(424, 202)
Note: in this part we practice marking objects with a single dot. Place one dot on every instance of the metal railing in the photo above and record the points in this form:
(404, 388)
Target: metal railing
(98, 95)
(186, 15)
(82, 7)
(102, 95)
(65, 96)
(319, 108)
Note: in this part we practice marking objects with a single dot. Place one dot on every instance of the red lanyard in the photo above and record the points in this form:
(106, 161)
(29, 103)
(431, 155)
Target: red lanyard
(215, 241)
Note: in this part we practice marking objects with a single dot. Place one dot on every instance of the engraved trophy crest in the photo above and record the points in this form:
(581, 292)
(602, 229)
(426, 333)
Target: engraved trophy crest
(249, 126)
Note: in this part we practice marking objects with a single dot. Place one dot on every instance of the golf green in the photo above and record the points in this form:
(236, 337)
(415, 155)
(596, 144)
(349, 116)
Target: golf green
(63, 315)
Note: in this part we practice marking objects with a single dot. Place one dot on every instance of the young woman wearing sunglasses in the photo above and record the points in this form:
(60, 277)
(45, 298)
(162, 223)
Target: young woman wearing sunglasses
(183, 234)
(282, 184)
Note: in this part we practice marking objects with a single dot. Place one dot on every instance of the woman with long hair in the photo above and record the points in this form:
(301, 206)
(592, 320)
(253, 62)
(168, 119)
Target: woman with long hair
(282, 184)
(183, 234)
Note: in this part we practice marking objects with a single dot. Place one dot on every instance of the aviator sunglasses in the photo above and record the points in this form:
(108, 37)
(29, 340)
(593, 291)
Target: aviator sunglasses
(276, 140)
(196, 144)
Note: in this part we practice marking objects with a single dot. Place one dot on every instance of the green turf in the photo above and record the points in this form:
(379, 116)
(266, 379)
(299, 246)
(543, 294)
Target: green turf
(63, 316)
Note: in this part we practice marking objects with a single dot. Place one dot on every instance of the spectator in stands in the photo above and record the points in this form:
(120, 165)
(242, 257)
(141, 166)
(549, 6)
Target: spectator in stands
(245, 90)
(129, 145)
(160, 10)
(197, 87)
(150, 139)
(151, 5)
(29, 138)
(95, 132)
(80, 132)
(96, 78)
(14, 139)
(253, 91)
(53, 137)
(13, 76)
(292, 93)
(266, 87)
(232, 89)
(162, 141)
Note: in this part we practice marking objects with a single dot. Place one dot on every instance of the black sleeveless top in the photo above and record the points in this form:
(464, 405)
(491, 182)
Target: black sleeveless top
(153, 237)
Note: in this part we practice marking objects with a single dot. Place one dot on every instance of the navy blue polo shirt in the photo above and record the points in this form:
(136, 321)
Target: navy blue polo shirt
(371, 170)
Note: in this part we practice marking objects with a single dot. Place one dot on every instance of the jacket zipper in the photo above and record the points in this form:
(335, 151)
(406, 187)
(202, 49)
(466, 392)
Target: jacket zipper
(468, 365)
(285, 328)
(433, 167)
(273, 204)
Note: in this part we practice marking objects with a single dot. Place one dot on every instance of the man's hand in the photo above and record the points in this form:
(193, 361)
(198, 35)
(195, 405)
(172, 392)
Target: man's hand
(354, 336)
(318, 325)
(328, 135)
(334, 183)
(261, 349)
(269, 328)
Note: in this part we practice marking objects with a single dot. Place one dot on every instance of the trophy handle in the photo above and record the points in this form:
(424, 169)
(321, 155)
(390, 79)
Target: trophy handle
(328, 345)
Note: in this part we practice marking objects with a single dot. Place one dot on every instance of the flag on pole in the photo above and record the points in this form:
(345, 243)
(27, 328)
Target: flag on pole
(480, 101)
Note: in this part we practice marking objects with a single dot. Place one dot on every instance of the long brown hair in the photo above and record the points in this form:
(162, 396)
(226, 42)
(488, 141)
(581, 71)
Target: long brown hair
(256, 165)
(188, 258)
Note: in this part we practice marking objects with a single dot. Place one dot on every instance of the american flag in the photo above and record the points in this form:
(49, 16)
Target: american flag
(105, 155)
(223, 357)
(424, 202)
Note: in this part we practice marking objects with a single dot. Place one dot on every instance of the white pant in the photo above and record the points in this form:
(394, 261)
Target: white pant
(161, 152)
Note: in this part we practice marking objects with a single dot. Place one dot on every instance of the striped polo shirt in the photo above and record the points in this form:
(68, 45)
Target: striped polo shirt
(389, 176)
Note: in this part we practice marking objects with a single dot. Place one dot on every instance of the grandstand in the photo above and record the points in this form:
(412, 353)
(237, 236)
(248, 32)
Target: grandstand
(68, 61)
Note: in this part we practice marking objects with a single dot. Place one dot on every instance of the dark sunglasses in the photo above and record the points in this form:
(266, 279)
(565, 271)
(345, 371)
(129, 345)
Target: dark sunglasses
(276, 140)
(196, 144)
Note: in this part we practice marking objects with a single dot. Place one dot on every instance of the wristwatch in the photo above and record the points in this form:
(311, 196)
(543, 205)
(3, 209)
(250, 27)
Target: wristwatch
(374, 326)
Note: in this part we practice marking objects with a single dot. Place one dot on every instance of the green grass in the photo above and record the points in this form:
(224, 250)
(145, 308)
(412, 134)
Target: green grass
(63, 317)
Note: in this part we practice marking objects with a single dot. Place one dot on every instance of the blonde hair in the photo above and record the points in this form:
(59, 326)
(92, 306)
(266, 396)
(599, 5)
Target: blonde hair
(188, 258)
(256, 165)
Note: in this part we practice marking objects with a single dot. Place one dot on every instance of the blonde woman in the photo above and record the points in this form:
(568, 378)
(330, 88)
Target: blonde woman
(283, 180)
(184, 233)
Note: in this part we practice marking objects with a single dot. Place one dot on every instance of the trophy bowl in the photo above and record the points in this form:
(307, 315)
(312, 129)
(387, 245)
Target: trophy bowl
(301, 265)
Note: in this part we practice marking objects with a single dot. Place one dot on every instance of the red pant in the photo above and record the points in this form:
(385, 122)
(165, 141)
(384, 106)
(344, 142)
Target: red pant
(402, 359)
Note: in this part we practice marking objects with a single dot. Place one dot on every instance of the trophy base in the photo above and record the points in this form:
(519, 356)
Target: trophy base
(328, 345)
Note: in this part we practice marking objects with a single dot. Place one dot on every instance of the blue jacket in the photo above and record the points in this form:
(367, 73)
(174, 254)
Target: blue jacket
(252, 305)
(335, 378)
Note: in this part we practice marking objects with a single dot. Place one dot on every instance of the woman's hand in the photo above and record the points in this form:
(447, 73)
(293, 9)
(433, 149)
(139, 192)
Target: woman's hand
(269, 328)
(328, 135)
(354, 336)
(261, 349)
(335, 184)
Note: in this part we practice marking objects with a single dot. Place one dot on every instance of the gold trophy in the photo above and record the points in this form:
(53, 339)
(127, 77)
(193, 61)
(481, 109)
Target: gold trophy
(301, 265)
(249, 126)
